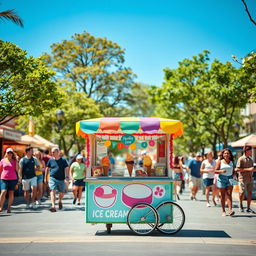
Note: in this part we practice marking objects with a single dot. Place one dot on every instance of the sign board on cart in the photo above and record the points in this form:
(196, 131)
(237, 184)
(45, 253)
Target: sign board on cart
(109, 201)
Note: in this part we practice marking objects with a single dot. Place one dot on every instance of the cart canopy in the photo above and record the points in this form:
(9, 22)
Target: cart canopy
(129, 125)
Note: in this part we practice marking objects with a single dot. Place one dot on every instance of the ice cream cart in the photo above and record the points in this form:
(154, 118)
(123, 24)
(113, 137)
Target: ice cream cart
(144, 200)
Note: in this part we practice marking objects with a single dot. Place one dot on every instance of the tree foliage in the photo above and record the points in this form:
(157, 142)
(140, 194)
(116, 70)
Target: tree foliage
(12, 16)
(76, 106)
(206, 97)
(26, 84)
(94, 66)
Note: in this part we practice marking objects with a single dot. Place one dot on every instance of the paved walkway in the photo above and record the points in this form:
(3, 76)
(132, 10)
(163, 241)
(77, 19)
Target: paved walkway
(23, 232)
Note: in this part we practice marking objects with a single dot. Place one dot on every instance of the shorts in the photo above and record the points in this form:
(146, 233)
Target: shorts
(40, 179)
(8, 184)
(28, 183)
(245, 187)
(177, 176)
(194, 182)
(58, 185)
(224, 181)
(79, 183)
(208, 182)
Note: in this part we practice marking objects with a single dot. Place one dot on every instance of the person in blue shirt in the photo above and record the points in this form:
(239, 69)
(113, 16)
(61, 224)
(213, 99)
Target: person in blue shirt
(195, 176)
(58, 169)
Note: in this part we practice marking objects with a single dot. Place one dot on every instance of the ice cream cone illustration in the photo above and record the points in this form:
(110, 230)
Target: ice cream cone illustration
(130, 168)
(129, 163)
(105, 164)
(105, 170)
(147, 163)
(148, 169)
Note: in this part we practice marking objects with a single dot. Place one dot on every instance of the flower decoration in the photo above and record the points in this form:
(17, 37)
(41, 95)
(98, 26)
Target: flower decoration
(159, 191)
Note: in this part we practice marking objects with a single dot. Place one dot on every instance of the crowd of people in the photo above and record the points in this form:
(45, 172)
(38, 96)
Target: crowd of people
(39, 173)
(218, 177)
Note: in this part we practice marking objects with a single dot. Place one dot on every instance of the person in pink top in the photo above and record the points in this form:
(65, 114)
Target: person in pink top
(9, 178)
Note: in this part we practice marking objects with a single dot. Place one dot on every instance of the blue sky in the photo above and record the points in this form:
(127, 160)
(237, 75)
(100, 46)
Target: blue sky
(155, 34)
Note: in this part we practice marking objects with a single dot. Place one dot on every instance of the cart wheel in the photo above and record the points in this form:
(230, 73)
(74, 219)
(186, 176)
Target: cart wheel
(142, 219)
(108, 226)
(171, 218)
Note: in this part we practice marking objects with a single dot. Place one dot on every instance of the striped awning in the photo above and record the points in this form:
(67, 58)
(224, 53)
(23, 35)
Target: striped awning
(129, 125)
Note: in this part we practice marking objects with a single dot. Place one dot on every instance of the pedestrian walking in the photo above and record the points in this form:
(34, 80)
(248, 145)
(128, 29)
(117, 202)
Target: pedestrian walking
(245, 170)
(78, 174)
(208, 171)
(195, 176)
(40, 177)
(8, 177)
(46, 158)
(27, 174)
(177, 175)
(58, 169)
(225, 169)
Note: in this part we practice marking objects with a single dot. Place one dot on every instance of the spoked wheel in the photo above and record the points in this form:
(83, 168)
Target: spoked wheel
(142, 219)
(171, 218)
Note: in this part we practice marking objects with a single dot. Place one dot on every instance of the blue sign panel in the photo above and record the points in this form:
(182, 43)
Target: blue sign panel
(108, 202)
(128, 139)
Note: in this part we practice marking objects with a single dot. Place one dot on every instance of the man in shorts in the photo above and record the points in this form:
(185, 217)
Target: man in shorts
(27, 173)
(58, 168)
(195, 176)
(245, 170)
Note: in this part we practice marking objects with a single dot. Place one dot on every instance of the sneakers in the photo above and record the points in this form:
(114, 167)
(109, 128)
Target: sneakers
(38, 202)
(208, 205)
(231, 213)
(78, 203)
(60, 205)
(52, 209)
(74, 201)
(241, 209)
(33, 206)
(249, 210)
(27, 206)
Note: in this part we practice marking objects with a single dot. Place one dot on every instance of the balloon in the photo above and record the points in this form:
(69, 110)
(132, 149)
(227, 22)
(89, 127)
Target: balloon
(107, 143)
(120, 145)
(114, 143)
(144, 144)
(151, 143)
(133, 146)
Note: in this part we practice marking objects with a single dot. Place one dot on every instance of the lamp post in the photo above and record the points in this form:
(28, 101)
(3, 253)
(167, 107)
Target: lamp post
(60, 116)
(237, 130)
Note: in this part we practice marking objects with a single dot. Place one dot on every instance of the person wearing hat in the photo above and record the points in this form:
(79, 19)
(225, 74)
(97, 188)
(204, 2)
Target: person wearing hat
(195, 175)
(78, 173)
(9, 178)
(245, 170)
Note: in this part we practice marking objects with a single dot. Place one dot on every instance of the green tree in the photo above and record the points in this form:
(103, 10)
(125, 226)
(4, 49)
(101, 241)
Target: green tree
(26, 84)
(12, 16)
(76, 106)
(207, 98)
(94, 66)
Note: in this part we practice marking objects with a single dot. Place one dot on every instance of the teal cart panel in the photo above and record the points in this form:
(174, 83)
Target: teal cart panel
(108, 200)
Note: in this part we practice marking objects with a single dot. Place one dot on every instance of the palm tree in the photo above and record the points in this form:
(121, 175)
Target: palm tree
(11, 15)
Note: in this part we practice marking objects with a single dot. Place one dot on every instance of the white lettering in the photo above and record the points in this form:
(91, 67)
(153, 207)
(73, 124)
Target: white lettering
(97, 214)
(115, 214)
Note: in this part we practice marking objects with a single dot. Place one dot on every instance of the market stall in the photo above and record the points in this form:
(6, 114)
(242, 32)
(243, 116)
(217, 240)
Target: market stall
(144, 199)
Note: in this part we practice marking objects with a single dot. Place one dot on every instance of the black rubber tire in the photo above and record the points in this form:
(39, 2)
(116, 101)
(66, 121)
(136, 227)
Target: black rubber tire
(171, 218)
(142, 219)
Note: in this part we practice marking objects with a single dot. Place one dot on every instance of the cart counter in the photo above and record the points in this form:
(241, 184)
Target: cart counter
(108, 200)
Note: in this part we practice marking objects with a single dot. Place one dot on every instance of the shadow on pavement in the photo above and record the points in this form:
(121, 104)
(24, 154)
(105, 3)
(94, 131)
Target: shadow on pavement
(182, 233)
